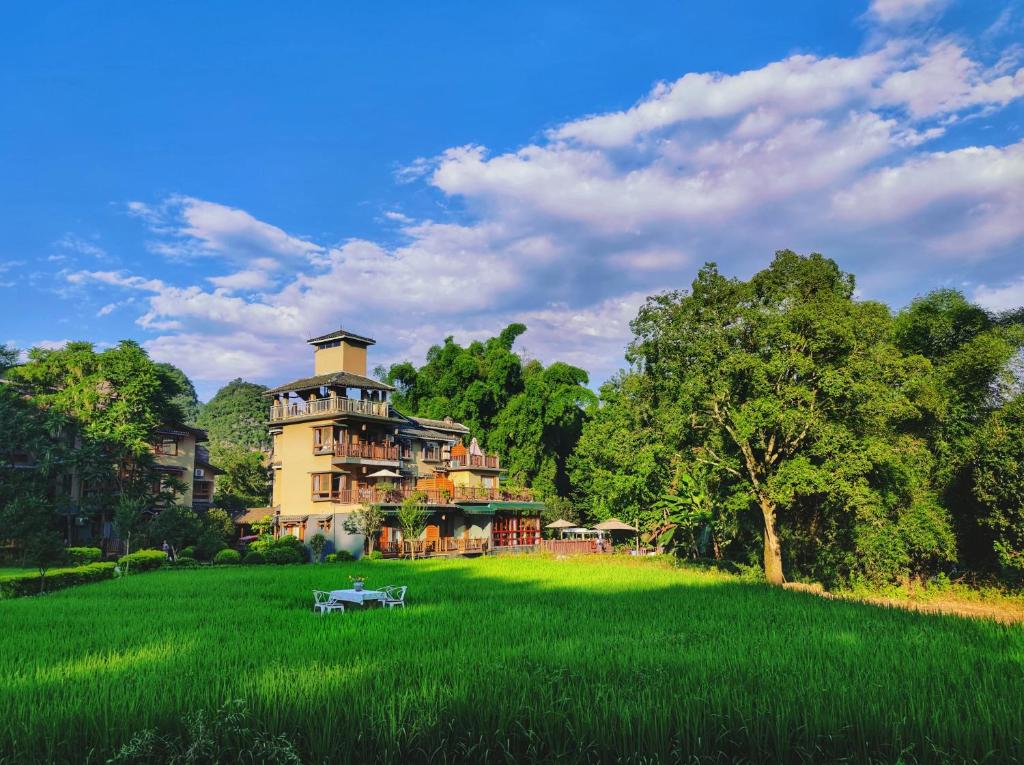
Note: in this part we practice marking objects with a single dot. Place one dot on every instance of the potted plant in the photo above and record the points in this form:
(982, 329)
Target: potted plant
(357, 582)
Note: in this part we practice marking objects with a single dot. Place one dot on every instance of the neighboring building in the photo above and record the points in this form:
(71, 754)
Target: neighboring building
(179, 454)
(338, 444)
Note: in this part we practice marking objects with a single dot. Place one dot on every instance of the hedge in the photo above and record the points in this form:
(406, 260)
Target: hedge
(79, 556)
(57, 579)
(143, 560)
(227, 556)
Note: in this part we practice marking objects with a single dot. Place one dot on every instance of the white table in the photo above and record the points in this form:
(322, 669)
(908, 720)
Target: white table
(358, 596)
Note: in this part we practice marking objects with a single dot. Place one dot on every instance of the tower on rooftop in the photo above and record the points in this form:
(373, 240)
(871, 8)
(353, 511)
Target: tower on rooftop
(340, 351)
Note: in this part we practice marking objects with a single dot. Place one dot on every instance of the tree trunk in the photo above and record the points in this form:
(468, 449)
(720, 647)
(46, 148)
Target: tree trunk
(772, 550)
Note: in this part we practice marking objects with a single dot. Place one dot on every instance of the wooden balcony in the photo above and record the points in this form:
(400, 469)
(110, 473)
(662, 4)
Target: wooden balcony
(367, 451)
(202, 491)
(374, 496)
(432, 547)
(489, 461)
(327, 407)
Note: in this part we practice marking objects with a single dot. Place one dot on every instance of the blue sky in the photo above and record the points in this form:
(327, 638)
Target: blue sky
(220, 181)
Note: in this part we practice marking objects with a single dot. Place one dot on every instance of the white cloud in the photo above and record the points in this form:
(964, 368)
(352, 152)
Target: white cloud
(983, 185)
(946, 80)
(1002, 298)
(108, 309)
(196, 227)
(890, 11)
(569, 233)
(250, 279)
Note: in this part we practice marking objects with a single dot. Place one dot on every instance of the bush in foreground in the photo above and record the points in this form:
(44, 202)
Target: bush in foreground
(342, 556)
(254, 558)
(56, 579)
(227, 557)
(142, 560)
(79, 556)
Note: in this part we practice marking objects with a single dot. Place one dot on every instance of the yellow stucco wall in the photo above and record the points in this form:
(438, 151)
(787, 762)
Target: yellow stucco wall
(293, 449)
(343, 358)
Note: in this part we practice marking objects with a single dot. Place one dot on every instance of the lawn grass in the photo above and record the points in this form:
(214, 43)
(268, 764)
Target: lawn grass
(509, 659)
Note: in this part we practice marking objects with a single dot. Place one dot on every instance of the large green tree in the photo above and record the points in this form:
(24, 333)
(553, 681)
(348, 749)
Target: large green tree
(972, 353)
(794, 398)
(529, 414)
(998, 482)
(185, 398)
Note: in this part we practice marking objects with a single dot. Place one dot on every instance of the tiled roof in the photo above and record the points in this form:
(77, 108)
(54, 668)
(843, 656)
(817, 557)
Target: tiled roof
(253, 514)
(424, 433)
(340, 379)
(457, 427)
(183, 430)
(341, 334)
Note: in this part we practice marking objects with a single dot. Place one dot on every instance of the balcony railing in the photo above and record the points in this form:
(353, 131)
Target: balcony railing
(374, 496)
(367, 451)
(439, 546)
(202, 491)
(474, 460)
(331, 405)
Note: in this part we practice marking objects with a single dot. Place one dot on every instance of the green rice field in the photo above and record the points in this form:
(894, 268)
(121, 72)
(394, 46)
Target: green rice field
(508, 659)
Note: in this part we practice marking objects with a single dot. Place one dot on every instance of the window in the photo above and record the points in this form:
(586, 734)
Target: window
(167, 446)
(327, 486)
(431, 452)
(200, 473)
(323, 438)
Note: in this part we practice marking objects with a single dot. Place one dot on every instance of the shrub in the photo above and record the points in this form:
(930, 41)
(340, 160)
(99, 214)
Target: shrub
(188, 552)
(283, 554)
(344, 556)
(143, 560)
(210, 543)
(79, 556)
(254, 558)
(56, 579)
(376, 555)
(183, 561)
(317, 543)
(227, 557)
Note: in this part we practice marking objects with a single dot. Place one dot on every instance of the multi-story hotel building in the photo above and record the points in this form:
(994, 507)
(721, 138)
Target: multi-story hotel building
(338, 443)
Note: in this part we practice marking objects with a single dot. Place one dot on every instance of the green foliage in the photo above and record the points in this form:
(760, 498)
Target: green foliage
(189, 551)
(182, 393)
(412, 520)
(800, 412)
(375, 555)
(254, 558)
(317, 543)
(141, 560)
(42, 549)
(530, 415)
(280, 550)
(183, 561)
(54, 579)
(245, 481)
(999, 483)
(237, 415)
(227, 557)
(366, 520)
(229, 734)
(176, 525)
(79, 556)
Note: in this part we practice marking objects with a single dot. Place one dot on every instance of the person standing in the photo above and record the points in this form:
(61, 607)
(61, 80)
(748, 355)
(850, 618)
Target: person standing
(167, 551)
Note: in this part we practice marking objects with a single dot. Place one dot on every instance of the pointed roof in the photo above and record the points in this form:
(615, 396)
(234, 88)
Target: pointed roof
(341, 334)
(333, 379)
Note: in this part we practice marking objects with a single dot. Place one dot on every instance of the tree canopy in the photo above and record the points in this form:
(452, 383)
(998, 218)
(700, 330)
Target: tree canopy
(529, 414)
(790, 400)
(237, 415)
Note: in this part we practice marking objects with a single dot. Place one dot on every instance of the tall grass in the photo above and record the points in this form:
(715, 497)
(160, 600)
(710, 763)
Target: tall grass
(508, 659)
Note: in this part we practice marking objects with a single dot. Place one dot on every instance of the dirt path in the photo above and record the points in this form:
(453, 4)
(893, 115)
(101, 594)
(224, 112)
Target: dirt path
(1008, 612)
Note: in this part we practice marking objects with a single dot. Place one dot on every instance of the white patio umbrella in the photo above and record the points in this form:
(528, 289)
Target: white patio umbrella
(614, 524)
(561, 525)
(385, 473)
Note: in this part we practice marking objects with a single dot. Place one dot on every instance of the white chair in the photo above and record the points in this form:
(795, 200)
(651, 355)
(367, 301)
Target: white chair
(323, 602)
(394, 596)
